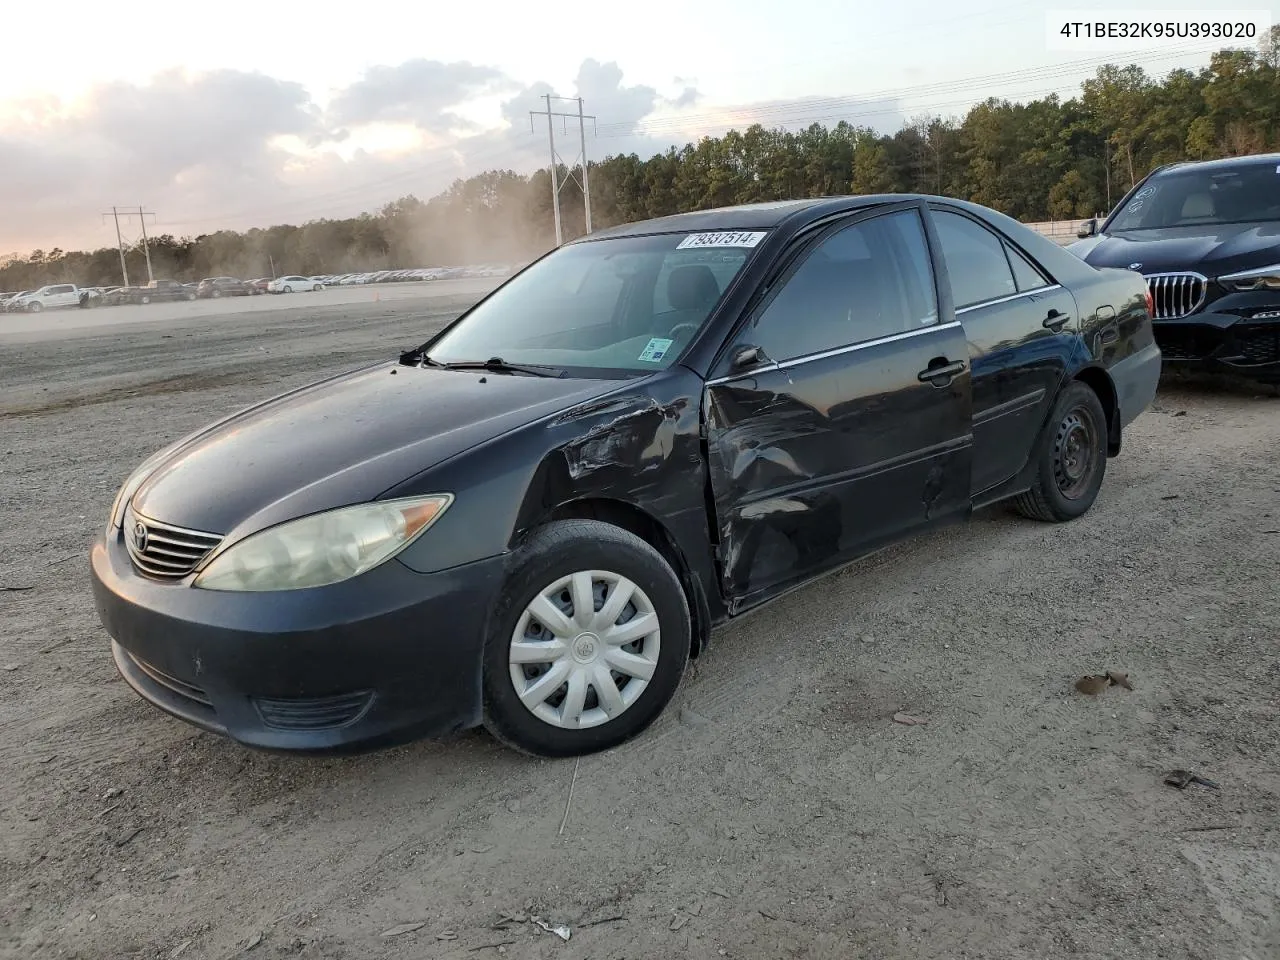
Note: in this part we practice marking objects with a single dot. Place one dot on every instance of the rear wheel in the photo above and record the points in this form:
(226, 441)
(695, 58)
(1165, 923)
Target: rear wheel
(1071, 459)
(587, 643)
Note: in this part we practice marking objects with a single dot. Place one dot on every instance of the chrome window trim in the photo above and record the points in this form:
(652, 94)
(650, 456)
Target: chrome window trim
(824, 354)
(1008, 299)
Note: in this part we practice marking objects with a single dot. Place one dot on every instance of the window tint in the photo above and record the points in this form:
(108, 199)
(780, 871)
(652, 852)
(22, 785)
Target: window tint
(1024, 273)
(975, 260)
(1245, 193)
(870, 280)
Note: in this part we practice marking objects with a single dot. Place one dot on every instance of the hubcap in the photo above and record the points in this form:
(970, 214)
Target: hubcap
(584, 649)
(1075, 454)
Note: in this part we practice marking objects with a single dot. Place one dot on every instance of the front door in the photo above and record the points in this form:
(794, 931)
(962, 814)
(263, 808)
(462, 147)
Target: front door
(839, 418)
(1021, 328)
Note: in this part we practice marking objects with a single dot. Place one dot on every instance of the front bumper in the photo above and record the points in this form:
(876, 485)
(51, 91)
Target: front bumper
(385, 658)
(1223, 342)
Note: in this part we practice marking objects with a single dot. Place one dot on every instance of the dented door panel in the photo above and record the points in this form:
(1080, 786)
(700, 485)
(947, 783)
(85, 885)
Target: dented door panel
(817, 462)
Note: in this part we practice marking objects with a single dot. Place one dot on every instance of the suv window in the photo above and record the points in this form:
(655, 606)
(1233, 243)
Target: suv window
(869, 280)
(975, 260)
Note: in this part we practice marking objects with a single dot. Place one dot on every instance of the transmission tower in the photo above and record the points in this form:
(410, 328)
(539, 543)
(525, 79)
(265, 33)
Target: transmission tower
(128, 213)
(585, 183)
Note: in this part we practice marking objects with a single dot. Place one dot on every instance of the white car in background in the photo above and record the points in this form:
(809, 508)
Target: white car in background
(292, 284)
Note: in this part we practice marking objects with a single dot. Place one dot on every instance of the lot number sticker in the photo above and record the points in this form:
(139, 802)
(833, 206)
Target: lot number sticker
(655, 350)
(736, 238)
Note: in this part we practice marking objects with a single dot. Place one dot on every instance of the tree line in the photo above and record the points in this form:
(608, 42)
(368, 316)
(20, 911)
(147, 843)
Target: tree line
(1046, 159)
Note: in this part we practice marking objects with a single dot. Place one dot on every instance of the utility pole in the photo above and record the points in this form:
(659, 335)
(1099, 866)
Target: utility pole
(124, 269)
(146, 247)
(585, 183)
(142, 215)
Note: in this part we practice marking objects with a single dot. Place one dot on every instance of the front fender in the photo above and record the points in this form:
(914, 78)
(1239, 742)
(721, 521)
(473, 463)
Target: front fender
(639, 446)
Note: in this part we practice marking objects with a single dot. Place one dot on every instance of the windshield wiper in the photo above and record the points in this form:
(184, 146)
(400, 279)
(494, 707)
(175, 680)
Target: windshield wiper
(498, 365)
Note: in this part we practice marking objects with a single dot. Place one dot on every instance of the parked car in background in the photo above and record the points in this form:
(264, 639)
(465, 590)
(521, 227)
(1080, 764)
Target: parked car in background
(158, 291)
(259, 285)
(10, 302)
(294, 285)
(1207, 238)
(223, 287)
(646, 433)
(52, 297)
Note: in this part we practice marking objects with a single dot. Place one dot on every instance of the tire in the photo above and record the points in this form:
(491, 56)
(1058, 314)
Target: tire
(216, 293)
(35, 306)
(189, 297)
(552, 554)
(144, 300)
(288, 289)
(317, 288)
(1065, 488)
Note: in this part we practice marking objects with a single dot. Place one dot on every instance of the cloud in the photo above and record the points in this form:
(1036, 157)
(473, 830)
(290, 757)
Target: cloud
(231, 149)
(419, 92)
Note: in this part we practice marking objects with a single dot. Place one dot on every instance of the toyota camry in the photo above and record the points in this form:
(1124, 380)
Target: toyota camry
(534, 519)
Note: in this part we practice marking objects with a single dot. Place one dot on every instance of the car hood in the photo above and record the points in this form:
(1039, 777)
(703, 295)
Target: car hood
(1212, 251)
(341, 441)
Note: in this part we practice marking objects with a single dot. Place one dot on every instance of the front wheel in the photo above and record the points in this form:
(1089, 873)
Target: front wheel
(1071, 459)
(587, 643)
(190, 296)
(288, 289)
(35, 306)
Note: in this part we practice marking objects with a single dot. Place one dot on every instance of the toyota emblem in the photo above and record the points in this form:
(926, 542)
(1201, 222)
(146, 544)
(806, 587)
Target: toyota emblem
(140, 537)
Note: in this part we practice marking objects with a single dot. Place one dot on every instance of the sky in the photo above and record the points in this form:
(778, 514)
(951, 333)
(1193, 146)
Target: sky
(252, 114)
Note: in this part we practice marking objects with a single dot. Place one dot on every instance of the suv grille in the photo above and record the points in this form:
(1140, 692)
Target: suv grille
(1176, 294)
(163, 551)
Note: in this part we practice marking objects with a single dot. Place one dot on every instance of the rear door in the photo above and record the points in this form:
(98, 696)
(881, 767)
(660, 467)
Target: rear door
(838, 418)
(1021, 329)
(63, 295)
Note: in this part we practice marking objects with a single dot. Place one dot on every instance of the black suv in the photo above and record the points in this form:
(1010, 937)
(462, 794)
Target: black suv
(223, 287)
(1207, 238)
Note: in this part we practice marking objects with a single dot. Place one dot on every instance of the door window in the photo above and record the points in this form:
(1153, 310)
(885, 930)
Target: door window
(869, 280)
(975, 259)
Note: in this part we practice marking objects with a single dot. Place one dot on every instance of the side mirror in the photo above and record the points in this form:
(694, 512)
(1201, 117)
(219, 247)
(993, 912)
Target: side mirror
(747, 356)
(1088, 228)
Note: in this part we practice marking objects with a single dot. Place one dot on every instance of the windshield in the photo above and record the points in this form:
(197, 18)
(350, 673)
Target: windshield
(611, 307)
(1243, 194)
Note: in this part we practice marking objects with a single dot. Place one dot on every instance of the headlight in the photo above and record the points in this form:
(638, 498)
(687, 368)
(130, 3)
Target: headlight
(1263, 278)
(322, 549)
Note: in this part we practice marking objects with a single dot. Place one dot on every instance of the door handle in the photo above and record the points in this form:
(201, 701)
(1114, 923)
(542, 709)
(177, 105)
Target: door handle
(1056, 320)
(940, 373)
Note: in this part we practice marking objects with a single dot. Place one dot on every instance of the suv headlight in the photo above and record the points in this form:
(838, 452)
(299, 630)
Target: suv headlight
(324, 548)
(1263, 278)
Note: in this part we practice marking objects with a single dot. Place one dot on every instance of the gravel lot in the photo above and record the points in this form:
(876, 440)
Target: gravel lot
(775, 811)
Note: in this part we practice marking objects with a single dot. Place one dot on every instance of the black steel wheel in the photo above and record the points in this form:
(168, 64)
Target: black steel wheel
(1070, 459)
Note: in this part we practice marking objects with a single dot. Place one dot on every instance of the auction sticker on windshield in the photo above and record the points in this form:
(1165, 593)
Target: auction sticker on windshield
(655, 350)
(735, 238)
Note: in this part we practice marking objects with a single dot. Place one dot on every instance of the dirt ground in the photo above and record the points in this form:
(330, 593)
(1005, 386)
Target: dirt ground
(776, 810)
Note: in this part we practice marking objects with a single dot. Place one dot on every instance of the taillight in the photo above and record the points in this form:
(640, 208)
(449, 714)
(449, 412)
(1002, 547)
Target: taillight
(1151, 304)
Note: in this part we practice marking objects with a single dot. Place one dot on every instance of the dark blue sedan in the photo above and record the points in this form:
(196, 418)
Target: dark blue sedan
(535, 519)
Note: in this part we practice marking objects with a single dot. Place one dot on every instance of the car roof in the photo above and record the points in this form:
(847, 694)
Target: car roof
(1223, 163)
(793, 214)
